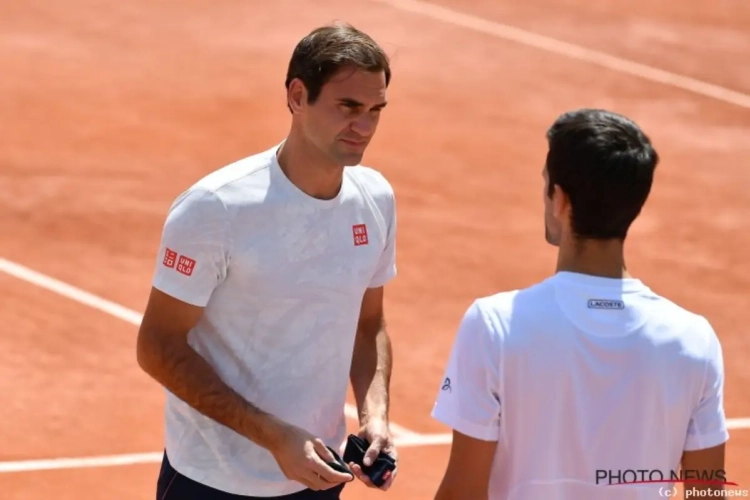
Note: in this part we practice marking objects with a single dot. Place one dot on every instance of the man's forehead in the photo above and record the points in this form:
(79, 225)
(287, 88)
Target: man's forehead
(352, 83)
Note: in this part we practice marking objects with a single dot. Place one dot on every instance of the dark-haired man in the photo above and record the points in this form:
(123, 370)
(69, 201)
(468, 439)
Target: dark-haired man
(267, 297)
(559, 389)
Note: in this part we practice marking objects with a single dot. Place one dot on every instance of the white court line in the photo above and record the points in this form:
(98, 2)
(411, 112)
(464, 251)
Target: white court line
(80, 463)
(528, 38)
(123, 313)
(738, 423)
(404, 437)
(155, 457)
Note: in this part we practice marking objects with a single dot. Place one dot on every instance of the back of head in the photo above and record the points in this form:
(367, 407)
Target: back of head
(605, 165)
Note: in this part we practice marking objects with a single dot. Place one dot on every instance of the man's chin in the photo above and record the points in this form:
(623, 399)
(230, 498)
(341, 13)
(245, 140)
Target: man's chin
(348, 159)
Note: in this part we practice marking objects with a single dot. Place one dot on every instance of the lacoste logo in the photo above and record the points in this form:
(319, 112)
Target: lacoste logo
(606, 304)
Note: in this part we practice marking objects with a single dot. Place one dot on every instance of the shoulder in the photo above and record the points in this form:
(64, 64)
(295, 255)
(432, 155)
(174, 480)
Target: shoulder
(197, 203)
(371, 181)
(498, 305)
(686, 339)
(372, 188)
(227, 186)
(500, 308)
(692, 330)
(484, 321)
(493, 315)
(241, 180)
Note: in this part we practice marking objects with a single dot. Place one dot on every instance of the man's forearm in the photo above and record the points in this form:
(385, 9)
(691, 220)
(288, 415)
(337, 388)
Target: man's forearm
(446, 492)
(371, 372)
(183, 372)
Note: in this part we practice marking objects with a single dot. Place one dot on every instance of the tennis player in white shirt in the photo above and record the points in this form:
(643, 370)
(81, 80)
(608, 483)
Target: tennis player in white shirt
(588, 370)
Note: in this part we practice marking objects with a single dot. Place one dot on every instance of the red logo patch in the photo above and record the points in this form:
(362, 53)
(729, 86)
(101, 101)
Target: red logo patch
(360, 234)
(169, 258)
(185, 265)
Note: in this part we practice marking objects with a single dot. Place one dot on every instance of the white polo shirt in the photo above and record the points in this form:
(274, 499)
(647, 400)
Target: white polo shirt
(580, 374)
(281, 276)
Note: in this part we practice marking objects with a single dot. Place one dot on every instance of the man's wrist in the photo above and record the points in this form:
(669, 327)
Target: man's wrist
(374, 414)
(264, 429)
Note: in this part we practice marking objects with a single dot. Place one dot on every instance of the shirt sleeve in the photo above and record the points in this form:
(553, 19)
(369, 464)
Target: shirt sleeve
(469, 398)
(707, 427)
(194, 249)
(386, 269)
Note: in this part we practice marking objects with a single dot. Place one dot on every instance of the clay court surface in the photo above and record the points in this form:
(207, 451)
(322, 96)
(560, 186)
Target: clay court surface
(108, 110)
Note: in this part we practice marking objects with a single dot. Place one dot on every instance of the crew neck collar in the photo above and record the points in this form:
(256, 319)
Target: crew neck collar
(294, 190)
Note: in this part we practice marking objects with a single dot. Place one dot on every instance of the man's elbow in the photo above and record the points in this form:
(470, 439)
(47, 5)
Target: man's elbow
(370, 327)
(148, 352)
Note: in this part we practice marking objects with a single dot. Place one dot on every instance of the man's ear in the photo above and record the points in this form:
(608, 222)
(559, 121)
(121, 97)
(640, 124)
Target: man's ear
(560, 203)
(296, 95)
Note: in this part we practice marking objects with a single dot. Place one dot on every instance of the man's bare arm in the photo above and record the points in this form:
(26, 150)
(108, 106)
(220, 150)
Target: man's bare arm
(371, 368)
(163, 353)
(469, 468)
(707, 463)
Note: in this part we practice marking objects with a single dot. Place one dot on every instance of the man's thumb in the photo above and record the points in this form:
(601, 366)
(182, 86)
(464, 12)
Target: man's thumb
(372, 453)
(323, 451)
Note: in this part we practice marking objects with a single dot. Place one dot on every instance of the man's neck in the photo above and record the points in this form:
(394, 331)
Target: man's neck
(308, 169)
(595, 258)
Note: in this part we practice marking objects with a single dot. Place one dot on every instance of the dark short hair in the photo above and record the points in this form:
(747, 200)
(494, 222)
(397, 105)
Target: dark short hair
(605, 164)
(328, 49)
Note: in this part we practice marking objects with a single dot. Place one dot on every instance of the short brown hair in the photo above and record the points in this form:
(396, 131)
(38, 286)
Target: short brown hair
(327, 49)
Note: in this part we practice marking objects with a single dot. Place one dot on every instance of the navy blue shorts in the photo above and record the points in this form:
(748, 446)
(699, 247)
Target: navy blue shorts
(174, 486)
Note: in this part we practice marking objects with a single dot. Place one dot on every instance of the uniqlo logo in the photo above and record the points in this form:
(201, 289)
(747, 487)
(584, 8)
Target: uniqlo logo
(360, 234)
(185, 265)
(169, 258)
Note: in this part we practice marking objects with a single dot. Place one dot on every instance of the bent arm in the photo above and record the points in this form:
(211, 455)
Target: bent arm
(370, 373)
(469, 468)
(469, 403)
(193, 259)
(164, 354)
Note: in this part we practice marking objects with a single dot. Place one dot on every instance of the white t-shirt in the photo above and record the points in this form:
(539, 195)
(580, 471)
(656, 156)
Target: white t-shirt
(281, 276)
(580, 374)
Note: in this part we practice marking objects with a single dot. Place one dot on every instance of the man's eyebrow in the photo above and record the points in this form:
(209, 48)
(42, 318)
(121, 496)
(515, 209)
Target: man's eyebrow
(356, 104)
(350, 102)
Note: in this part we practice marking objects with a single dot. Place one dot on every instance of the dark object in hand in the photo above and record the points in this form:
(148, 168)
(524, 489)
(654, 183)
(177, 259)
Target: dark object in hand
(338, 464)
(380, 470)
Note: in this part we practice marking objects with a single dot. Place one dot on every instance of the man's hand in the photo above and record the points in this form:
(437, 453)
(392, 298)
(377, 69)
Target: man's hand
(302, 457)
(378, 434)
